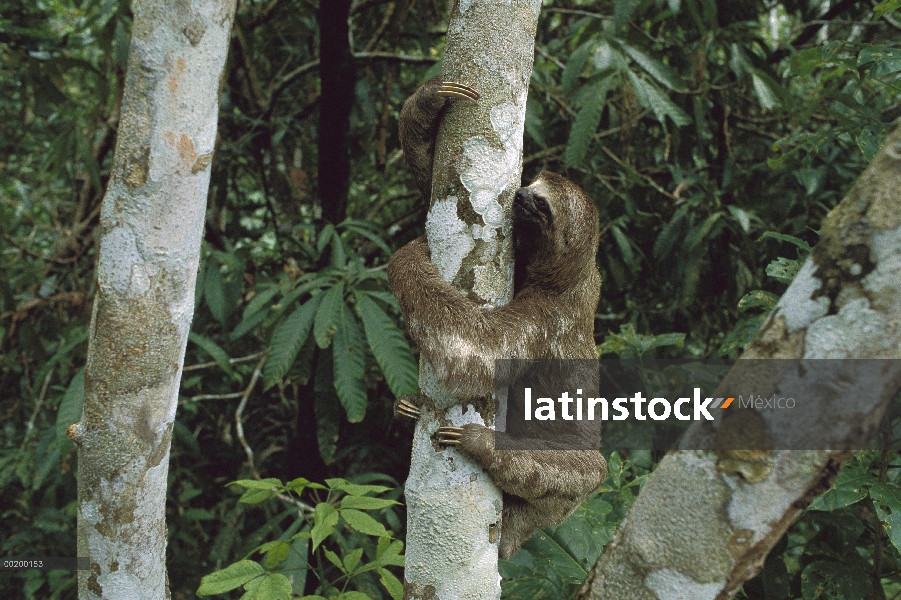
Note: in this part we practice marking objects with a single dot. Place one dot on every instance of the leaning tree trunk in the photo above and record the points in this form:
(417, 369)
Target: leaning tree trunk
(701, 526)
(453, 508)
(151, 226)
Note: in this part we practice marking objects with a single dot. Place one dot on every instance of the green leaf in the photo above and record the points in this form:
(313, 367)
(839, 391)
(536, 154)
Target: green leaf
(324, 237)
(334, 559)
(886, 6)
(392, 584)
(352, 595)
(806, 61)
(389, 346)
(363, 228)
(887, 60)
(325, 517)
(216, 352)
(622, 12)
(804, 246)
(697, 234)
(366, 502)
(214, 291)
(229, 578)
(834, 580)
(758, 299)
(198, 514)
(326, 407)
(784, 269)
(388, 552)
(272, 586)
(656, 69)
(363, 523)
(71, 406)
(586, 124)
(849, 487)
(869, 140)
(575, 65)
(650, 96)
(352, 559)
(742, 216)
(355, 489)
(328, 314)
(625, 246)
(287, 340)
(258, 484)
(811, 178)
(347, 356)
(887, 500)
(766, 89)
(256, 311)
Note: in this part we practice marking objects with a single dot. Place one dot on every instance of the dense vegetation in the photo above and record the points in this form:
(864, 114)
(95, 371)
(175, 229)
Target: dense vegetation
(713, 140)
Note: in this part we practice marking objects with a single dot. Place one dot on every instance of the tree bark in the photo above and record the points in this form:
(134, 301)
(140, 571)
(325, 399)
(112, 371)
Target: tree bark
(453, 507)
(151, 225)
(336, 73)
(700, 528)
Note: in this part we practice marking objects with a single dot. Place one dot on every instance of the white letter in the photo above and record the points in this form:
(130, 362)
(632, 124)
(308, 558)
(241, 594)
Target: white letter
(678, 412)
(623, 411)
(565, 401)
(665, 406)
(579, 404)
(545, 413)
(701, 408)
(637, 399)
(528, 404)
(592, 402)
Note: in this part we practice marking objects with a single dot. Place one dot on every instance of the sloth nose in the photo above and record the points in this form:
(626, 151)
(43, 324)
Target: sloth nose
(522, 194)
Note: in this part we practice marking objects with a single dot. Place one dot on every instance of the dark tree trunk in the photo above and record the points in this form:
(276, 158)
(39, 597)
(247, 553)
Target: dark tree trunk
(337, 78)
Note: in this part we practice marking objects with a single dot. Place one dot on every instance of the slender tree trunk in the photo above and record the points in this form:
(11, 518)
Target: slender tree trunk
(699, 529)
(453, 508)
(336, 73)
(151, 226)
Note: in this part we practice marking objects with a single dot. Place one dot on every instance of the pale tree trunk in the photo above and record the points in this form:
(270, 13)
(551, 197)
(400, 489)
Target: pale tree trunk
(453, 508)
(700, 527)
(150, 230)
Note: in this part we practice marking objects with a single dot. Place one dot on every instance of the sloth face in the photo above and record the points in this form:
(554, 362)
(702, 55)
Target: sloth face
(530, 206)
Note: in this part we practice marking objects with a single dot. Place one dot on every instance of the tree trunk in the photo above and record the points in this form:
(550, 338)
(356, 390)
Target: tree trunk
(453, 507)
(700, 530)
(336, 74)
(151, 226)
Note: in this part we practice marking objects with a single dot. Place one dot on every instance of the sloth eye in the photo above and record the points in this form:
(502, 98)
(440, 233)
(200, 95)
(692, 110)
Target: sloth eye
(540, 202)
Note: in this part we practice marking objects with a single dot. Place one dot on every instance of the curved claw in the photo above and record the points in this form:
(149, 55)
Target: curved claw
(403, 407)
(450, 89)
(449, 436)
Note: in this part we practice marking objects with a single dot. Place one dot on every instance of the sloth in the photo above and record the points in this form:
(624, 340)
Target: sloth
(551, 316)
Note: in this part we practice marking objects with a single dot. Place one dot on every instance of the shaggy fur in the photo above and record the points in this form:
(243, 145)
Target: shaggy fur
(556, 291)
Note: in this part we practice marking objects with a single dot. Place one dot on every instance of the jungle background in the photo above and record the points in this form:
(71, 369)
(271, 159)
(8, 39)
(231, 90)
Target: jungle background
(713, 137)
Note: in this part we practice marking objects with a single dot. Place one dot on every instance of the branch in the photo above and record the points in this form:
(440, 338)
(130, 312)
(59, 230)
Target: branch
(706, 529)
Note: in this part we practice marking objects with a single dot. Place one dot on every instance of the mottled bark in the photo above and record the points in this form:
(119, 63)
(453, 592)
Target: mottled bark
(453, 508)
(150, 230)
(704, 522)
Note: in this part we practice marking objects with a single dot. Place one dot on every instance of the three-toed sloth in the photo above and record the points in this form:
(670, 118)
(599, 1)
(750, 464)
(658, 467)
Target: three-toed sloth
(551, 316)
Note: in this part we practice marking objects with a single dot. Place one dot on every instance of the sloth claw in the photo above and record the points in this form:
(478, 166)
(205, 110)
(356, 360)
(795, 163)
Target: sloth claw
(449, 436)
(450, 89)
(403, 407)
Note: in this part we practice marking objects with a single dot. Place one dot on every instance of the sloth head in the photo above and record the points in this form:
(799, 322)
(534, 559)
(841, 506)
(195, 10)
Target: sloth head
(555, 228)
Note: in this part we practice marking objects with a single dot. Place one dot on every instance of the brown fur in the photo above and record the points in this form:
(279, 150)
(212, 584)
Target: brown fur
(557, 287)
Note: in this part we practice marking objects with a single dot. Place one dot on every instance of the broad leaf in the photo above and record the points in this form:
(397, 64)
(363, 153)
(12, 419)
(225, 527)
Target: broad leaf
(349, 365)
(389, 346)
(287, 340)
